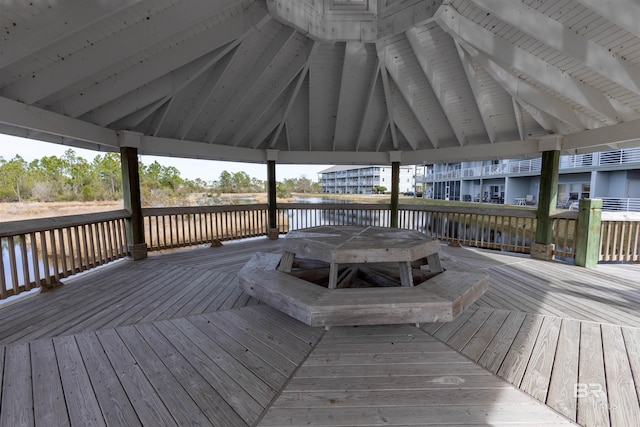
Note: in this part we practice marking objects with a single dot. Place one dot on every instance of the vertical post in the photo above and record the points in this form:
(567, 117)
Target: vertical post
(547, 201)
(395, 190)
(587, 241)
(272, 226)
(134, 225)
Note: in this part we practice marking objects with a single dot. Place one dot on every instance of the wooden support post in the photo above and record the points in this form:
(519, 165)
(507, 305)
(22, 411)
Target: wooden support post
(134, 225)
(395, 190)
(543, 247)
(588, 233)
(272, 218)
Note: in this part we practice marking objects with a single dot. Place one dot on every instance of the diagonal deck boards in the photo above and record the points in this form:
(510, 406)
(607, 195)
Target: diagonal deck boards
(169, 372)
(584, 370)
(365, 384)
(543, 326)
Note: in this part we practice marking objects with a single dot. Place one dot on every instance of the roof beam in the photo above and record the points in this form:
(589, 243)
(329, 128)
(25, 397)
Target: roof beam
(294, 95)
(436, 81)
(554, 34)
(29, 117)
(383, 132)
(223, 59)
(353, 67)
(523, 91)
(387, 96)
(269, 55)
(299, 63)
(517, 111)
(404, 85)
(370, 92)
(88, 98)
(104, 53)
(610, 135)
(46, 28)
(545, 120)
(623, 13)
(530, 65)
(478, 93)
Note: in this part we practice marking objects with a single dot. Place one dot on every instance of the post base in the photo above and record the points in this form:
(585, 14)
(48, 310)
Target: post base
(541, 251)
(138, 251)
(273, 233)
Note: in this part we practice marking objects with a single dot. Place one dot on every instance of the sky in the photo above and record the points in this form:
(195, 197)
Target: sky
(207, 170)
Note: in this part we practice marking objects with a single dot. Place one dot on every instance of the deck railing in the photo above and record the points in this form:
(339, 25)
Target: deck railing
(620, 237)
(485, 227)
(40, 252)
(175, 227)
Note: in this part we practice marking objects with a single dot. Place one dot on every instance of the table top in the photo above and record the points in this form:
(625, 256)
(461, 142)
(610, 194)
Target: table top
(358, 244)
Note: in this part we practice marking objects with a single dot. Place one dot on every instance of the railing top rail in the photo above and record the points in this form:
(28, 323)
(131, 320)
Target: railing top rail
(620, 216)
(178, 210)
(13, 228)
(478, 210)
(363, 206)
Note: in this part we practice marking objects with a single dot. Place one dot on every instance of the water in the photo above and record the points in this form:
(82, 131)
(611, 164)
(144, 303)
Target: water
(19, 263)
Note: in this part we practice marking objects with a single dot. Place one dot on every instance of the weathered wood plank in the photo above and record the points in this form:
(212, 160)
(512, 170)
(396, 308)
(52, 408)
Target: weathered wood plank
(214, 325)
(390, 383)
(537, 375)
(515, 362)
(17, 400)
(48, 398)
(497, 350)
(81, 400)
(113, 400)
(264, 376)
(624, 408)
(407, 415)
(477, 345)
(168, 388)
(147, 403)
(233, 381)
(385, 398)
(564, 377)
(469, 329)
(204, 394)
(593, 405)
(632, 342)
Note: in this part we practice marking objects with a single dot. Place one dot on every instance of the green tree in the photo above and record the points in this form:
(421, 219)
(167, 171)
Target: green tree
(14, 178)
(109, 172)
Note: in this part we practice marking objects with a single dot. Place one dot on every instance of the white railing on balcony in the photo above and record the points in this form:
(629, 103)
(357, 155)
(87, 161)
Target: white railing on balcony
(631, 155)
(619, 204)
(618, 157)
(523, 166)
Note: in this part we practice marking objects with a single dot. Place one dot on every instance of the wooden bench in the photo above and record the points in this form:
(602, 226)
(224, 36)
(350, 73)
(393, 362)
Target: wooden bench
(439, 299)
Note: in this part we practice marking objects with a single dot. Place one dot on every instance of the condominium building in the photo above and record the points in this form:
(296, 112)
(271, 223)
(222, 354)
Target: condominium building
(364, 179)
(613, 176)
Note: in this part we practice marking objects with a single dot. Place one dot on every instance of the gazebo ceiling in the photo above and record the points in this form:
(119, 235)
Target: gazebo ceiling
(323, 81)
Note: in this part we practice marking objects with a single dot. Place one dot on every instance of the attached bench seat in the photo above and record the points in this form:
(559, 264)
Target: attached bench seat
(439, 299)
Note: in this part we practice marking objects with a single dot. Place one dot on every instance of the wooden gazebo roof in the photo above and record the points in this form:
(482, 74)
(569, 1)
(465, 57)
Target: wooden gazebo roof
(323, 81)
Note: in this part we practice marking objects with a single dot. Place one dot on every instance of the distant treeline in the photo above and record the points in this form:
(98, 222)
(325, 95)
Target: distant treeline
(72, 178)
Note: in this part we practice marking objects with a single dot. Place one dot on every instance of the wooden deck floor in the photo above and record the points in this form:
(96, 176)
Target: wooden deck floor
(172, 341)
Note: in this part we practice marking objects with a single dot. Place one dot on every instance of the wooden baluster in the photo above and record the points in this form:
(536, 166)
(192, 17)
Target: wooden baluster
(34, 259)
(54, 255)
(64, 272)
(72, 261)
(13, 265)
(25, 262)
(45, 258)
(3, 281)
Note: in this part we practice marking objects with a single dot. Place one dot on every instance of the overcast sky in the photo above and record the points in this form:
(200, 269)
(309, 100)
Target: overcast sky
(207, 170)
